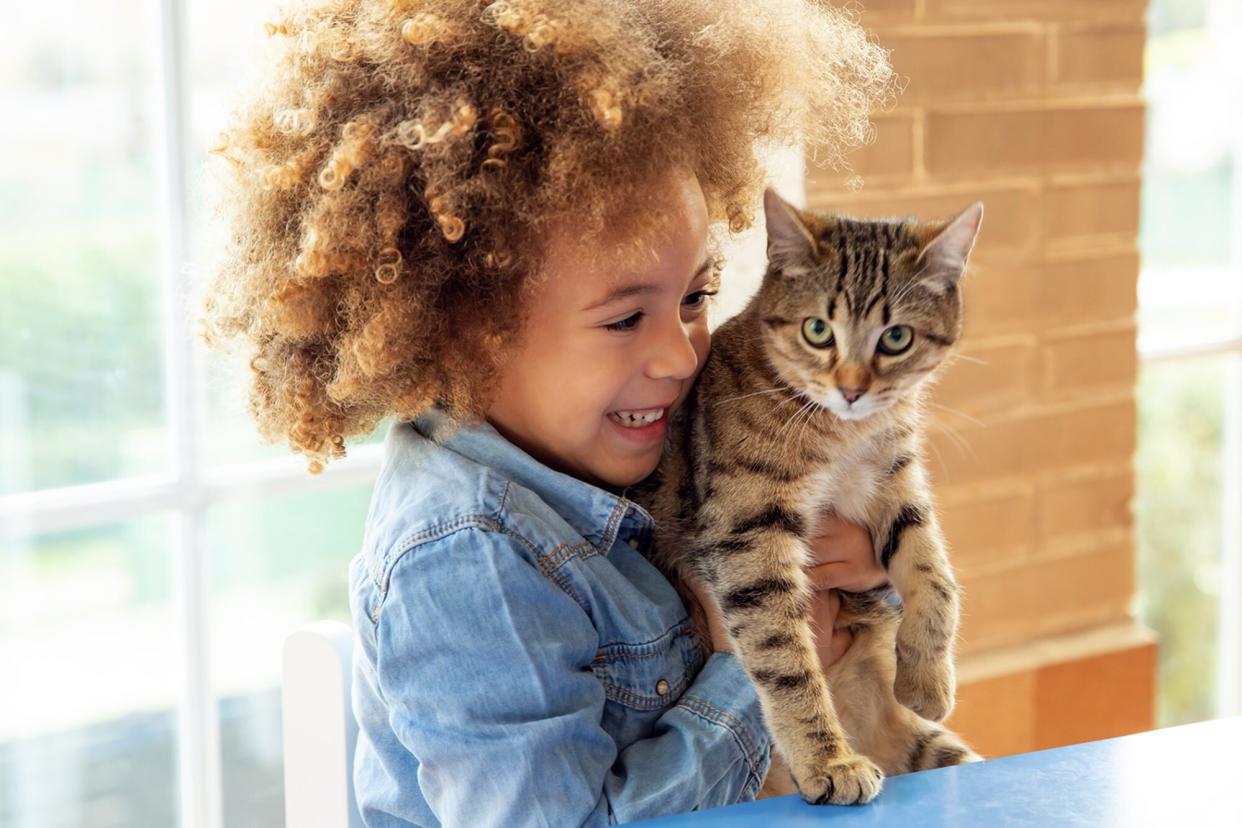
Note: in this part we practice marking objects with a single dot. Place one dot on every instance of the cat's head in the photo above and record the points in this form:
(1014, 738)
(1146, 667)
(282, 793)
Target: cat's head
(858, 313)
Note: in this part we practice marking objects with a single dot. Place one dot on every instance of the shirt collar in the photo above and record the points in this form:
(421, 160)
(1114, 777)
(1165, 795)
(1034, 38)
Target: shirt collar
(596, 514)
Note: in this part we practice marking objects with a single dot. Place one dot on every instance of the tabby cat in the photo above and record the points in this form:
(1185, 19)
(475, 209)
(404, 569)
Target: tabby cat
(810, 402)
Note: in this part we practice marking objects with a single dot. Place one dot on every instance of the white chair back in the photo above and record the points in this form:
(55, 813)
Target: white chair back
(319, 731)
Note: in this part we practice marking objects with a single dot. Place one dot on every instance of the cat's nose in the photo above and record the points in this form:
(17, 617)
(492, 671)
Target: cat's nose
(851, 394)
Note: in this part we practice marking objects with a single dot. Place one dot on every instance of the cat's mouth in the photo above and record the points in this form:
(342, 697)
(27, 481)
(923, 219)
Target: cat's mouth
(860, 409)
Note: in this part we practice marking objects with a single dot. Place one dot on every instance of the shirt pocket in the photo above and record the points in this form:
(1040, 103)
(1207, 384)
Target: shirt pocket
(642, 679)
(649, 675)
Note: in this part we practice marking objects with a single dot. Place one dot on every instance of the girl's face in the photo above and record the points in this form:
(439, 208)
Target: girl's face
(598, 342)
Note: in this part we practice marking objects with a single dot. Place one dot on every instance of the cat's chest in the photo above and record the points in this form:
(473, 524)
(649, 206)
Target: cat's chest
(849, 485)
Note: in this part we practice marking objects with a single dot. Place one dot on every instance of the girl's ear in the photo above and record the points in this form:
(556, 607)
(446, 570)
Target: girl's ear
(791, 247)
(946, 246)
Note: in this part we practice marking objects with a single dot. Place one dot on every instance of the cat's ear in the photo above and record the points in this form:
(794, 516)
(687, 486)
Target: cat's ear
(791, 247)
(946, 246)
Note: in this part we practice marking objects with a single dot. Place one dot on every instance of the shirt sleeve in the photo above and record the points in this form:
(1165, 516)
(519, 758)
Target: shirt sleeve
(484, 664)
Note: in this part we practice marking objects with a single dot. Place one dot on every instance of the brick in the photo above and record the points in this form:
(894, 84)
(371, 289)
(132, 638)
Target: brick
(1066, 506)
(1091, 289)
(1007, 224)
(1079, 290)
(1107, 695)
(1000, 299)
(1040, 137)
(987, 377)
(1032, 442)
(1078, 211)
(1035, 10)
(1047, 597)
(887, 10)
(941, 65)
(990, 529)
(1102, 432)
(996, 716)
(964, 454)
(889, 156)
(1023, 698)
(1083, 362)
(1098, 56)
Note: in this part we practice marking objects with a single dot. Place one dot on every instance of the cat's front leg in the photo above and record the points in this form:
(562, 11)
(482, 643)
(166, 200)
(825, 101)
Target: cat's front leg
(926, 679)
(911, 548)
(765, 597)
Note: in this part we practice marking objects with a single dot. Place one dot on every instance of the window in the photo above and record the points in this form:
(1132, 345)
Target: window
(150, 565)
(1189, 465)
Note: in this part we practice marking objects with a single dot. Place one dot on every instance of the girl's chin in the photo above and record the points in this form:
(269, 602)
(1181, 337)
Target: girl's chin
(627, 472)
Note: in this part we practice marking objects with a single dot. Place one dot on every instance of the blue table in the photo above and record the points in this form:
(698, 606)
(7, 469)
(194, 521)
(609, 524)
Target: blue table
(1179, 777)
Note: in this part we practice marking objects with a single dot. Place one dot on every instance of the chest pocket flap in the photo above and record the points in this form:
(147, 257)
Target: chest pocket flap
(650, 675)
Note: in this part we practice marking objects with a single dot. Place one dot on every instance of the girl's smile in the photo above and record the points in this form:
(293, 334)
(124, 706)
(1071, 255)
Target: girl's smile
(646, 427)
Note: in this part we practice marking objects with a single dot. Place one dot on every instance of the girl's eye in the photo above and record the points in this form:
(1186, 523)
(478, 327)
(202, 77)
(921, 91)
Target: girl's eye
(702, 297)
(896, 339)
(817, 332)
(625, 324)
(694, 300)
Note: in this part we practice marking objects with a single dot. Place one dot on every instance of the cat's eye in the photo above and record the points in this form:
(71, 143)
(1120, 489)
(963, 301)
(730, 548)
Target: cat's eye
(896, 339)
(817, 332)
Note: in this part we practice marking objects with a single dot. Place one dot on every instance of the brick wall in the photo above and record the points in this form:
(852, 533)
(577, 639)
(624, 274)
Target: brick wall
(1035, 108)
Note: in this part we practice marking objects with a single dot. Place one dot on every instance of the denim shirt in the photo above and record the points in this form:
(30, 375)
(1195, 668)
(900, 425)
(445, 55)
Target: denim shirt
(519, 661)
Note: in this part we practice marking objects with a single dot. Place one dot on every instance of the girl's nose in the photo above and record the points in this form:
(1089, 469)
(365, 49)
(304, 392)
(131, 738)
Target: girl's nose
(673, 353)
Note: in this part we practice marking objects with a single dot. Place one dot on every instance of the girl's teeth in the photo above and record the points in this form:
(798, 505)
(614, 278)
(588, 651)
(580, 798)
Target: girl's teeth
(635, 419)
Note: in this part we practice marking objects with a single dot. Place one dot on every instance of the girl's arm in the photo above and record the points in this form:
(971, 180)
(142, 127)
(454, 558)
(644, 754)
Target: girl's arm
(485, 665)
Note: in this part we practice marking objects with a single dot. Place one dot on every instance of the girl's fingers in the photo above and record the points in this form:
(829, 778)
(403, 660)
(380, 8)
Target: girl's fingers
(831, 643)
(839, 540)
(829, 575)
(847, 575)
(824, 609)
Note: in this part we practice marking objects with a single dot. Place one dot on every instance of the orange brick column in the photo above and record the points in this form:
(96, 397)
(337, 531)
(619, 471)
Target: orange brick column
(1035, 108)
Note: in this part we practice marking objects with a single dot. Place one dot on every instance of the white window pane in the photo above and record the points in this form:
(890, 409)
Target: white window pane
(88, 726)
(276, 563)
(1179, 475)
(1191, 285)
(81, 385)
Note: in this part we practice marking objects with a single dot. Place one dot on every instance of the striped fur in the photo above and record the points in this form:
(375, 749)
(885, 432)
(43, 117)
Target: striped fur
(766, 443)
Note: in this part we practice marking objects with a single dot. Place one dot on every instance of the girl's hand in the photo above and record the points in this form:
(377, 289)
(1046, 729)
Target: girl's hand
(842, 557)
(719, 636)
(825, 604)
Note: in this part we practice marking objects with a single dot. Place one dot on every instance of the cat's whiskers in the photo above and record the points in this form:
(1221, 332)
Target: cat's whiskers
(795, 415)
(959, 442)
(752, 394)
(792, 417)
(807, 421)
(961, 414)
(805, 413)
(956, 355)
(939, 457)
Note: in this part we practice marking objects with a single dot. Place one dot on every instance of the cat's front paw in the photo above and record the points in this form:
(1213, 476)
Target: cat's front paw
(928, 687)
(846, 780)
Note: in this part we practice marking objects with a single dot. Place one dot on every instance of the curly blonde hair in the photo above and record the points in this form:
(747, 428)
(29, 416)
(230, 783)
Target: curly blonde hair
(393, 179)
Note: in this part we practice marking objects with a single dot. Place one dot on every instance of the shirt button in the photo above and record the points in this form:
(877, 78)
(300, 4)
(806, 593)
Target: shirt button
(662, 687)
(633, 542)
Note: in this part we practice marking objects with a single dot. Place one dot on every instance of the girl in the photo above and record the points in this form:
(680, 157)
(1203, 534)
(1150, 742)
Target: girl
(498, 222)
